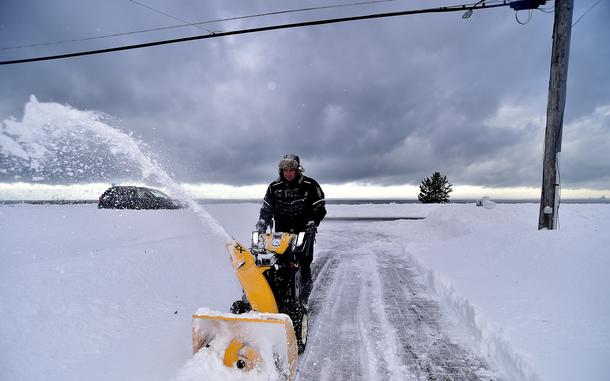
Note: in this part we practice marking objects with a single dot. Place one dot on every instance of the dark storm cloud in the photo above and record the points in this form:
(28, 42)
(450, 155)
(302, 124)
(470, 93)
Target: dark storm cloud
(385, 101)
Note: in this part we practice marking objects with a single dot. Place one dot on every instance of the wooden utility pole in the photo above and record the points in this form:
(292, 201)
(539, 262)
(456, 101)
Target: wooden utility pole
(562, 30)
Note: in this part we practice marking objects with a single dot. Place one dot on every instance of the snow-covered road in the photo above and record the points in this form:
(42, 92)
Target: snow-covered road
(371, 319)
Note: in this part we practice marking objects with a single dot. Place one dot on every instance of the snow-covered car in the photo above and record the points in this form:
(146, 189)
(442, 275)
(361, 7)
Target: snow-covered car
(132, 197)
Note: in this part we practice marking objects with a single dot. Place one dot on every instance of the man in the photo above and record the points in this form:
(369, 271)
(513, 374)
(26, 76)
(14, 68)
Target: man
(296, 204)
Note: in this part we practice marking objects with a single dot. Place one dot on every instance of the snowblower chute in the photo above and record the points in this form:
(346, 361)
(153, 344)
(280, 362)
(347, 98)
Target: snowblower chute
(259, 336)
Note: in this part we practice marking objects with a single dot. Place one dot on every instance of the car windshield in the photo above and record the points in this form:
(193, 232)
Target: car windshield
(158, 193)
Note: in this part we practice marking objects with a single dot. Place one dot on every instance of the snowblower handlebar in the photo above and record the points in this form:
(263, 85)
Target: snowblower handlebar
(279, 242)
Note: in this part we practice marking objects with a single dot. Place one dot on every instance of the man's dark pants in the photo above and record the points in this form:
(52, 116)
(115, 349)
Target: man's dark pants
(305, 263)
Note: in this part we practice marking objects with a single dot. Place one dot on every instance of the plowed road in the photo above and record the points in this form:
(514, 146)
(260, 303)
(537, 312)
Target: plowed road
(372, 319)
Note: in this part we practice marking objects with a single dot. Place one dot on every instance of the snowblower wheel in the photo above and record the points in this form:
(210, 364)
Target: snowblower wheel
(300, 322)
(240, 307)
(302, 339)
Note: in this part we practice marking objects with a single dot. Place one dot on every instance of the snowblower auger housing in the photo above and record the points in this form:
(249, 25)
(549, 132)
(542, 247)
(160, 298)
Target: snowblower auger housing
(263, 337)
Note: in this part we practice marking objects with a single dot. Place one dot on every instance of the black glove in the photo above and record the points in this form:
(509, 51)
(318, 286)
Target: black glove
(311, 227)
(261, 226)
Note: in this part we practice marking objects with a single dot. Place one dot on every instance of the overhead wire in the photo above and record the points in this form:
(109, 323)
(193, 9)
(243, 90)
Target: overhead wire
(529, 17)
(446, 9)
(168, 15)
(470, 10)
(587, 11)
(199, 23)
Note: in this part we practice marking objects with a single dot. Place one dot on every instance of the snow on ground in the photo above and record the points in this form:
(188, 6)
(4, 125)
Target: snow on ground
(536, 301)
(109, 294)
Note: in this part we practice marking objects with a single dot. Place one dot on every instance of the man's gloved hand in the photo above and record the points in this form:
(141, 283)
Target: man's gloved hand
(261, 226)
(311, 227)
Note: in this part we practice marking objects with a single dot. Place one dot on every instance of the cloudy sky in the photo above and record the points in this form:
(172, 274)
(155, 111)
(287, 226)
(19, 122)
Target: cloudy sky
(384, 102)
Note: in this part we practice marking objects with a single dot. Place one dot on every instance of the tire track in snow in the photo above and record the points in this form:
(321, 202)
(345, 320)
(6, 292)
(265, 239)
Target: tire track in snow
(350, 332)
(389, 345)
(425, 344)
(371, 319)
(423, 330)
(326, 319)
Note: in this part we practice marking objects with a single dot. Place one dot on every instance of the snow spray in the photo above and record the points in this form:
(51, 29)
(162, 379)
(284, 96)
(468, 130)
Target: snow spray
(55, 142)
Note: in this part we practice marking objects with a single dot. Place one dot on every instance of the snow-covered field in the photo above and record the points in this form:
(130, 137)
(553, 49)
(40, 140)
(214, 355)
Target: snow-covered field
(108, 294)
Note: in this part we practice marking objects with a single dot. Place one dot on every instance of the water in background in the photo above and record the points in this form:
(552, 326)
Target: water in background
(56, 143)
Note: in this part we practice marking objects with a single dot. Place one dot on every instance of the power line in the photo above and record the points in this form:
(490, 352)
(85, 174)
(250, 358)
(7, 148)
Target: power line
(447, 9)
(469, 11)
(587, 11)
(168, 15)
(529, 17)
(546, 10)
(199, 23)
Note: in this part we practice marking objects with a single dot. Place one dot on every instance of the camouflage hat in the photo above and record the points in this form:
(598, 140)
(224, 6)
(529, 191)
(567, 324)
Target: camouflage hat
(290, 161)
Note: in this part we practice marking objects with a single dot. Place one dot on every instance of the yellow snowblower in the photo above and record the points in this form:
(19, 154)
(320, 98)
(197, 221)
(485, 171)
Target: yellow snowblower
(267, 328)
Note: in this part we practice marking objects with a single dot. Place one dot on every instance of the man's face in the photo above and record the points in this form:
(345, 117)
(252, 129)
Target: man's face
(289, 174)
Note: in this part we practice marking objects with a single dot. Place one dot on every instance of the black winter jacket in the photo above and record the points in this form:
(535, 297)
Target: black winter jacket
(293, 204)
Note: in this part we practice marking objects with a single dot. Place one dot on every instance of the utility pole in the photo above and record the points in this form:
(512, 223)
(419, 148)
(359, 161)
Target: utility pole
(562, 30)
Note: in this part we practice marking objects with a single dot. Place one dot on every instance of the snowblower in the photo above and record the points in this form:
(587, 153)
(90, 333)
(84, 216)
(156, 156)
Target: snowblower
(267, 328)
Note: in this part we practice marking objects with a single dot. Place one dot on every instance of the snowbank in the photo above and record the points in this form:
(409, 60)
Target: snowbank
(535, 302)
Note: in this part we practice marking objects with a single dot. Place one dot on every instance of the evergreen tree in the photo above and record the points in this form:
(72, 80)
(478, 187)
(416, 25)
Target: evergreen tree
(435, 189)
